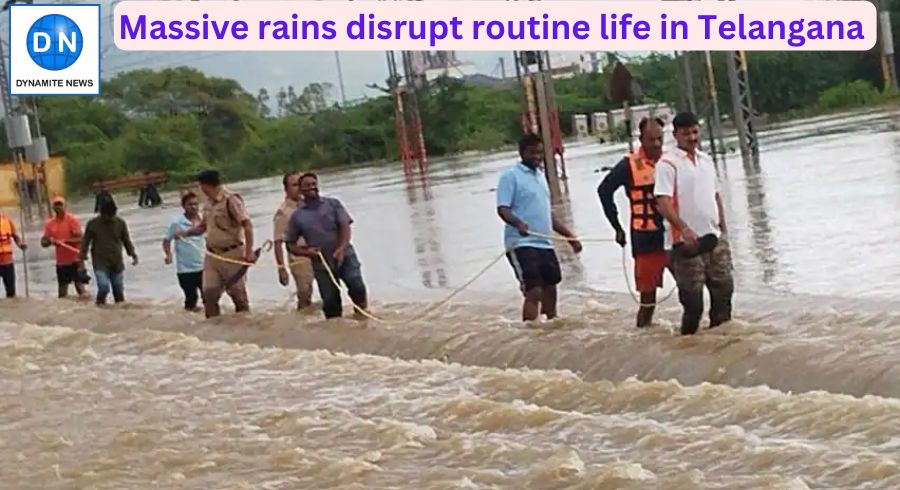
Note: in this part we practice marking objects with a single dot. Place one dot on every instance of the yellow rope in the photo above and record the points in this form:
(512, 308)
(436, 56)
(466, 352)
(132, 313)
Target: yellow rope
(267, 246)
(338, 285)
(427, 310)
(634, 296)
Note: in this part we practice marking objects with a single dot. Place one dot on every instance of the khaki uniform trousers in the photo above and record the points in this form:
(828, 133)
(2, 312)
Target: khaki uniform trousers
(215, 275)
(301, 269)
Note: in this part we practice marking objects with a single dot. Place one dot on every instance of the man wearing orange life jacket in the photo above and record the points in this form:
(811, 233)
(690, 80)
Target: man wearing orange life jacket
(8, 236)
(635, 173)
(688, 195)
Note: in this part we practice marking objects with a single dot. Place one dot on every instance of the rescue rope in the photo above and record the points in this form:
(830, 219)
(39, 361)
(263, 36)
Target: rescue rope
(430, 308)
(425, 312)
(634, 296)
(268, 245)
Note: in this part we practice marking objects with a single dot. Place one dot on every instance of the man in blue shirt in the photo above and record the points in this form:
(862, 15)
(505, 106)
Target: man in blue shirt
(324, 224)
(523, 203)
(188, 251)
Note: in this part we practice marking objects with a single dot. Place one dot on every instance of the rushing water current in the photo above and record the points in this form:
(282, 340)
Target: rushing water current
(799, 391)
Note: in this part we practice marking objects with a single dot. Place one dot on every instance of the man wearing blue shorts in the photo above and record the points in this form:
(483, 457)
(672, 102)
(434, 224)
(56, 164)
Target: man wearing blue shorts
(523, 203)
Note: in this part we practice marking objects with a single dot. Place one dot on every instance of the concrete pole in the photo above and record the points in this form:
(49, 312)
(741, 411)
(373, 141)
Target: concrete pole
(688, 81)
(547, 138)
(626, 109)
(887, 47)
(340, 74)
(716, 126)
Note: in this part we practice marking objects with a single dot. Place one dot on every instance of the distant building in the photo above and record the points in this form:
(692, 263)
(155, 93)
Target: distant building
(638, 112)
(9, 189)
(435, 64)
(580, 126)
(567, 64)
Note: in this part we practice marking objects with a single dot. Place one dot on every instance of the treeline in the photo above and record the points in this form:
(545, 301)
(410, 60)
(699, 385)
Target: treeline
(179, 120)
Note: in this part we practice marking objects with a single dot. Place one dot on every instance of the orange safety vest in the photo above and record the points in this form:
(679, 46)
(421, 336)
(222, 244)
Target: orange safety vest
(643, 203)
(6, 236)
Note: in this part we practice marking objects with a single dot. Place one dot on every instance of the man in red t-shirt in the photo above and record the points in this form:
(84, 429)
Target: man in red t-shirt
(64, 231)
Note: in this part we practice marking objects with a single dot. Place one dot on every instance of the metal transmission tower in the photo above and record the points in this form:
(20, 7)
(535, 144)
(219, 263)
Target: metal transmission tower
(742, 105)
(400, 128)
(414, 82)
(407, 119)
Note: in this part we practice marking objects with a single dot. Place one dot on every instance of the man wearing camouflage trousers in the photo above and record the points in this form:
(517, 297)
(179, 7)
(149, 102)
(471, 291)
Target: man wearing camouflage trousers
(688, 196)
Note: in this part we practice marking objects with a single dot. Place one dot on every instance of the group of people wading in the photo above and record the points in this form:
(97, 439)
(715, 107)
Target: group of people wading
(677, 222)
(213, 248)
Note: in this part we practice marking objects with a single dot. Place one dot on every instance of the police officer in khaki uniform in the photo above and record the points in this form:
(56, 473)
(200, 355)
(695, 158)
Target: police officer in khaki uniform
(229, 233)
(301, 267)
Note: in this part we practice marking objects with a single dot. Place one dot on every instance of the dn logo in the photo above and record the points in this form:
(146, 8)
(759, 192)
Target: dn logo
(54, 42)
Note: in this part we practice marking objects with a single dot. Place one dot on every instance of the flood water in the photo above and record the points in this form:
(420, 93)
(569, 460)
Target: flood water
(799, 391)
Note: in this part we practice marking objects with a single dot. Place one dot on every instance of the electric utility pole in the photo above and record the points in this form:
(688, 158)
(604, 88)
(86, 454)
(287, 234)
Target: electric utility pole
(888, 68)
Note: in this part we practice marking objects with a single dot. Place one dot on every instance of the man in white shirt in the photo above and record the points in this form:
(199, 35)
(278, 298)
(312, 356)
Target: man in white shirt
(688, 196)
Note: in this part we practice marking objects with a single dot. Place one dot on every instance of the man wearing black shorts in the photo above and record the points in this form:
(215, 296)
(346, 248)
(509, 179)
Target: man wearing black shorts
(64, 231)
(523, 203)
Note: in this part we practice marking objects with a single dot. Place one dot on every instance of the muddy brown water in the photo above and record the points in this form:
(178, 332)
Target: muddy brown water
(799, 391)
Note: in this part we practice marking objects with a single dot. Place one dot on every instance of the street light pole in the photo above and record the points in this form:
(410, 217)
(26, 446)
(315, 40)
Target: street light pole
(340, 74)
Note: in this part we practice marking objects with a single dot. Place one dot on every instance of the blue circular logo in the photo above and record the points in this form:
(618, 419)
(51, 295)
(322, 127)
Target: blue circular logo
(54, 42)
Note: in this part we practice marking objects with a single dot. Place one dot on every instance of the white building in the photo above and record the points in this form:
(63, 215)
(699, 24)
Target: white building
(638, 112)
(434, 64)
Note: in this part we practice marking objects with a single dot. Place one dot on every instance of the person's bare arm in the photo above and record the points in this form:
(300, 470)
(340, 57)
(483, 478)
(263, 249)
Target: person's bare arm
(167, 250)
(195, 230)
(721, 213)
(511, 219)
(129, 245)
(562, 229)
(279, 253)
(292, 234)
(247, 225)
(240, 215)
(86, 240)
(343, 236)
(343, 239)
(75, 232)
(667, 209)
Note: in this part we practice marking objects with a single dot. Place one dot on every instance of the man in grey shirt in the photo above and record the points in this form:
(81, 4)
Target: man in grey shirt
(325, 226)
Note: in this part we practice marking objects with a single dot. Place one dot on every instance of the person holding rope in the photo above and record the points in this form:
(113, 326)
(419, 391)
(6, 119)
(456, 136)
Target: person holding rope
(229, 237)
(523, 203)
(188, 251)
(325, 225)
(688, 195)
(8, 236)
(636, 173)
(300, 267)
(64, 231)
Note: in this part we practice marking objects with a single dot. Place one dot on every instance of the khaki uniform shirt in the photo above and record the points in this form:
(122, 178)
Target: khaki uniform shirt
(221, 230)
(282, 217)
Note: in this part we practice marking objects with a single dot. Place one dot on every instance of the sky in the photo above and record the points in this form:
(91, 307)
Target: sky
(272, 70)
